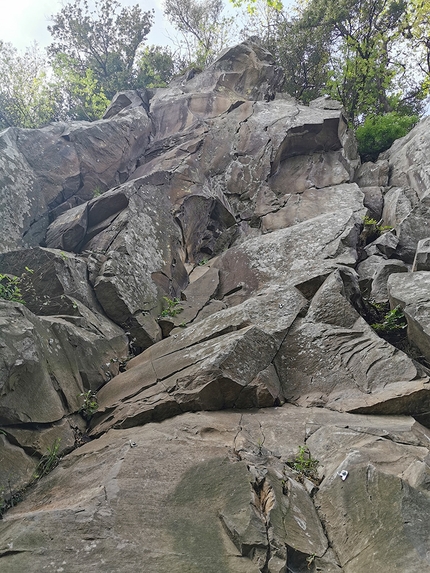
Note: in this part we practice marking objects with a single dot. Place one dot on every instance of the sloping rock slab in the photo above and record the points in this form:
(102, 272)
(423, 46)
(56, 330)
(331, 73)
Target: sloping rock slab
(211, 375)
(412, 292)
(226, 493)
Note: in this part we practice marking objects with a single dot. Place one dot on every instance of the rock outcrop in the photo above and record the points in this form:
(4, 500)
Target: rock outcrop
(203, 262)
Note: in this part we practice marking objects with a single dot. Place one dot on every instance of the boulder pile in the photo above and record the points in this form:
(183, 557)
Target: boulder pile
(247, 306)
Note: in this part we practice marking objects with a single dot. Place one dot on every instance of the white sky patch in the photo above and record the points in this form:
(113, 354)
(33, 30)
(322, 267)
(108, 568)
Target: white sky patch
(23, 22)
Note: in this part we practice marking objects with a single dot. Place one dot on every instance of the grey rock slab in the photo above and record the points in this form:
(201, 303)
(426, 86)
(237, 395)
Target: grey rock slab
(290, 256)
(137, 261)
(413, 228)
(193, 299)
(412, 292)
(40, 440)
(125, 99)
(47, 167)
(333, 351)
(374, 201)
(373, 275)
(19, 207)
(398, 203)
(104, 499)
(33, 373)
(408, 159)
(422, 256)
(318, 170)
(47, 362)
(313, 203)
(206, 376)
(187, 535)
(381, 481)
(50, 277)
(371, 174)
(385, 244)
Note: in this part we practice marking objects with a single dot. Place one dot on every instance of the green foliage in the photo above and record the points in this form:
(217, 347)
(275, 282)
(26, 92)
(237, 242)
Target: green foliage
(82, 95)
(251, 5)
(156, 67)
(27, 98)
(394, 320)
(304, 54)
(9, 289)
(203, 29)
(104, 41)
(89, 406)
(173, 307)
(304, 464)
(378, 133)
(49, 461)
(372, 229)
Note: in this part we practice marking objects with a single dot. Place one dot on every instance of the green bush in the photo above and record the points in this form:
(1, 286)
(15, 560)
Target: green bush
(378, 132)
(9, 289)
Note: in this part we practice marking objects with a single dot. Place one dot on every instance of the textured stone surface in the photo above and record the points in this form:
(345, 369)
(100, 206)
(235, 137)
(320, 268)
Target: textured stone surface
(229, 501)
(412, 292)
(203, 248)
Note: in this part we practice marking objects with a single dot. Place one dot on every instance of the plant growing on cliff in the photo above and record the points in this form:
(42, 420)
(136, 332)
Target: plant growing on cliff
(378, 132)
(304, 463)
(89, 406)
(9, 289)
(372, 229)
(394, 320)
(49, 461)
(173, 307)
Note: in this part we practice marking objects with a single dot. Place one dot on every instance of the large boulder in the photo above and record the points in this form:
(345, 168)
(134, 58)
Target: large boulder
(213, 492)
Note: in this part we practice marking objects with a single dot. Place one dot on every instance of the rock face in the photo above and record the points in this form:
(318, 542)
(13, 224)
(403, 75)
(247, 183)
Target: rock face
(199, 260)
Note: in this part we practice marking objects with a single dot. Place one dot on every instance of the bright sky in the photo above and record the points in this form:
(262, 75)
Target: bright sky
(24, 21)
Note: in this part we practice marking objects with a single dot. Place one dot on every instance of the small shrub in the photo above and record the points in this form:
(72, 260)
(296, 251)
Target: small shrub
(49, 461)
(378, 133)
(9, 289)
(372, 230)
(173, 307)
(305, 464)
(393, 320)
(89, 406)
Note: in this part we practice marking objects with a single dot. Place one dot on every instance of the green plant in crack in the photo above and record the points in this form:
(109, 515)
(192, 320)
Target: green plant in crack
(304, 463)
(173, 307)
(89, 406)
(49, 461)
(394, 320)
(310, 559)
(372, 229)
(10, 288)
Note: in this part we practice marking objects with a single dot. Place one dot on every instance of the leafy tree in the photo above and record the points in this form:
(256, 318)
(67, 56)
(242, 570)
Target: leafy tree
(363, 36)
(204, 30)
(156, 67)
(252, 5)
(263, 20)
(105, 40)
(378, 133)
(82, 97)
(27, 98)
(304, 57)
(417, 32)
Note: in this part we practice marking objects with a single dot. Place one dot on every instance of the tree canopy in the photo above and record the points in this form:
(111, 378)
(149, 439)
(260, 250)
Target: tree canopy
(203, 29)
(27, 98)
(105, 40)
(372, 55)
